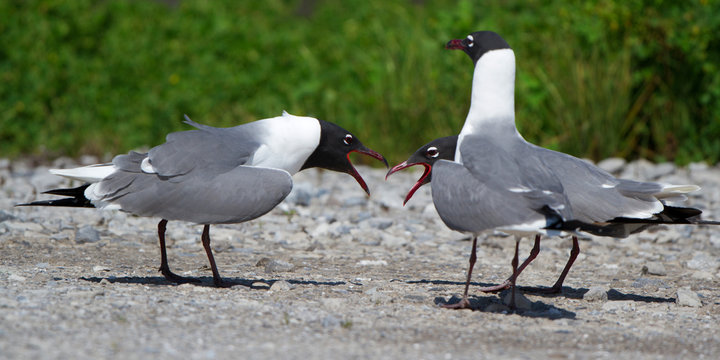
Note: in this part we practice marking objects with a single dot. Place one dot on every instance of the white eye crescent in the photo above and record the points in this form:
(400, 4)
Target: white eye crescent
(471, 40)
(348, 139)
(432, 152)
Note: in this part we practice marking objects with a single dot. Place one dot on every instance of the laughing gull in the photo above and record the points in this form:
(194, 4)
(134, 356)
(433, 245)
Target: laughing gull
(444, 149)
(213, 175)
(500, 181)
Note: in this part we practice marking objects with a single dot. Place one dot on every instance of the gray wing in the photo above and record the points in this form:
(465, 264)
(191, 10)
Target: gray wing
(505, 168)
(209, 149)
(238, 195)
(597, 196)
(466, 203)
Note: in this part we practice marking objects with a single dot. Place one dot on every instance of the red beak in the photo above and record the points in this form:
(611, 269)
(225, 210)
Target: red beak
(354, 172)
(422, 181)
(455, 45)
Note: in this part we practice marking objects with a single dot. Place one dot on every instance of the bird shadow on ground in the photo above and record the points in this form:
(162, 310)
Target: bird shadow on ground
(207, 281)
(578, 293)
(494, 304)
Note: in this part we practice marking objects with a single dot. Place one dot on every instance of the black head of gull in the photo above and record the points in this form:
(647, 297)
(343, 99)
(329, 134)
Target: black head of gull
(478, 43)
(438, 149)
(333, 152)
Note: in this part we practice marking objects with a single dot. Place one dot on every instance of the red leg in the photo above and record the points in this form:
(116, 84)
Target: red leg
(514, 275)
(506, 284)
(164, 267)
(465, 303)
(206, 244)
(557, 288)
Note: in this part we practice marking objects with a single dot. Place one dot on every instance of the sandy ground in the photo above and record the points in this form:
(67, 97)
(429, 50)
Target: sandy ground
(333, 274)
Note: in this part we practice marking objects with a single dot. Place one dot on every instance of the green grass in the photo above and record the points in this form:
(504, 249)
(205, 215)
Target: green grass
(595, 79)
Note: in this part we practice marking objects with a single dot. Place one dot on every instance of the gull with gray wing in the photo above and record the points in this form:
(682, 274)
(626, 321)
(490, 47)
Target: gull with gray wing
(213, 175)
(497, 180)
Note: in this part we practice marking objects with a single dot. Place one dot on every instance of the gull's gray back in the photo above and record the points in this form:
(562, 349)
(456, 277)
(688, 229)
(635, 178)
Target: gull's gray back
(200, 177)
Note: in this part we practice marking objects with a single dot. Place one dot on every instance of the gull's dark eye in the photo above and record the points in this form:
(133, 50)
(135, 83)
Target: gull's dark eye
(432, 152)
(348, 139)
(470, 41)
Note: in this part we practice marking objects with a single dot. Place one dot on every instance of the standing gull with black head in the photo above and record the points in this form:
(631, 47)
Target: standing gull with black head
(500, 181)
(213, 175)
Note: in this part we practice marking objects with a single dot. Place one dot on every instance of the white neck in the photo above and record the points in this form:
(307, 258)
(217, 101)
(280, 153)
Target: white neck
(492, 106)
(288, 141)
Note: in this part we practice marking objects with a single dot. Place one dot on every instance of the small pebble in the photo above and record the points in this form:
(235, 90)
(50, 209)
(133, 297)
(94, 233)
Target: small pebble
(372, 263)
(687, 297)
(612, 165)
(87, 234)
(654, 268)
(278, 266)
(98, 268)
(15, 277)
(281, 285)
(615, 306)
(596, 293)
(702, 275)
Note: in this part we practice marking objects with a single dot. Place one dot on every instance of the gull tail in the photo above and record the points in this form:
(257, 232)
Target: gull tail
(75, 198)
(622, 227)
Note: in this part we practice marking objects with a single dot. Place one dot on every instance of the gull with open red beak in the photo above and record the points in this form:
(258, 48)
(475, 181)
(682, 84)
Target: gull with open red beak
(438, 149)
(213, 175)
(496, 180)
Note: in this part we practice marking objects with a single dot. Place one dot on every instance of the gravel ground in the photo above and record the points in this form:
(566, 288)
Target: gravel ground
(331, 273)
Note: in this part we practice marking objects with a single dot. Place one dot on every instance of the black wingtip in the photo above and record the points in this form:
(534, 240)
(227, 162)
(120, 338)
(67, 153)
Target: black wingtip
(76, 198)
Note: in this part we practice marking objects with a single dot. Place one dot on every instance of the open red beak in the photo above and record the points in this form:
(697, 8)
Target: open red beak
(354, 172)
(424, 179)
(455, 45)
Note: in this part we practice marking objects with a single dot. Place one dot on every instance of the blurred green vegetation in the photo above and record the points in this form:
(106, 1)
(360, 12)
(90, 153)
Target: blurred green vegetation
(595, 78)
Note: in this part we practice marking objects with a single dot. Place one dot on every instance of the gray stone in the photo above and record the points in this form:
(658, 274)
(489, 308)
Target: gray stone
(278, 266)
(644, 282)
(612, 165)
(281, 285)
(17, 226)
(615, 306)
(714, 238)
(380, 223)
(99, 268)
(660, 170)
(5, 216)
(393, 241)
(687, 297)
(355, 201)
(703, 261)
(654, 268)
(87, 234)
(596, 293)
(702, 275)
(361, 216)
(301, 194)
(15, 277)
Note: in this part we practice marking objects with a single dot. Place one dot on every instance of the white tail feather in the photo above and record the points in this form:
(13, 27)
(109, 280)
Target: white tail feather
(670, 191)
(92, 173)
